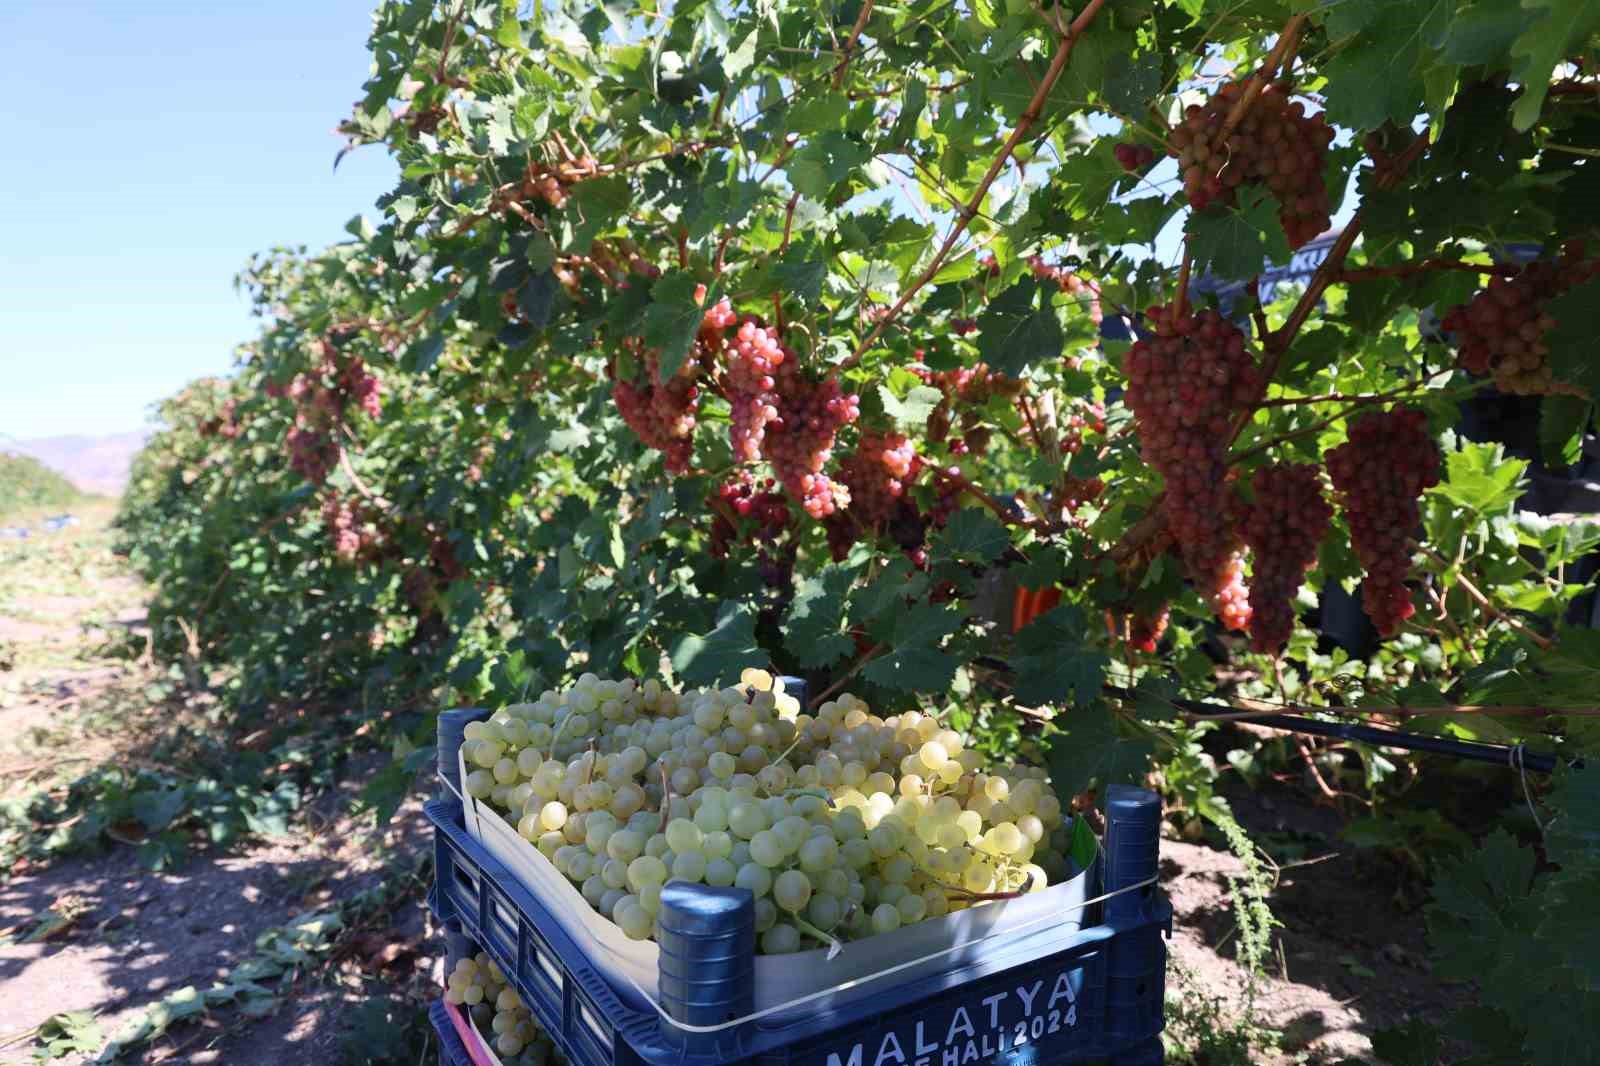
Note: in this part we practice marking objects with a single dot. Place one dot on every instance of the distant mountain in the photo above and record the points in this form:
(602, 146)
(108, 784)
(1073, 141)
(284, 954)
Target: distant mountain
(93, 464)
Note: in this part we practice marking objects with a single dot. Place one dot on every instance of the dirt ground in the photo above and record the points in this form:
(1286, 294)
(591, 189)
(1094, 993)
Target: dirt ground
(1346, 960)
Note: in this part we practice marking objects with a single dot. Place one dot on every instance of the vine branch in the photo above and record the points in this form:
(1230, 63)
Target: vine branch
(1030, 115)
(850, 43)
(1288, 38)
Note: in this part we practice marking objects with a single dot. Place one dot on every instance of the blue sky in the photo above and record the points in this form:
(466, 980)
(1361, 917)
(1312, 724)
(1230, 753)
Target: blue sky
(150, 147)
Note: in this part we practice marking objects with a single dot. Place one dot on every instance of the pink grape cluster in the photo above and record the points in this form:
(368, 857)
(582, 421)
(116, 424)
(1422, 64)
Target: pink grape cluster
(1186, 382)
(312, 453)
(1283, 527)
(1275, 144)
(877, 474)
(353, 532)
(661, 414)
(1133, 157)
(1139, 630)
(799, 442)
(744, 510)
(753, 359)
(1502, 330)
(1381, 472)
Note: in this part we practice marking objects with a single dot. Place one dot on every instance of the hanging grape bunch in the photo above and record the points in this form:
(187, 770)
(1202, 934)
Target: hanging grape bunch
(1186, 382)
(1282, 526)
(877, 474)
(661, 413)
(1380, 473)
(1502, 331)
(1275, 144)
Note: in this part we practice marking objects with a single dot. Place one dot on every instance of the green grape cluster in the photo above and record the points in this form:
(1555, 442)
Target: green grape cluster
(840, 823)
(477, 984)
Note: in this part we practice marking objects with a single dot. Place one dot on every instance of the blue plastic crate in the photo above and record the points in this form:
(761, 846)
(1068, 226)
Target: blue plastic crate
(452, 1052)
(1095, 993)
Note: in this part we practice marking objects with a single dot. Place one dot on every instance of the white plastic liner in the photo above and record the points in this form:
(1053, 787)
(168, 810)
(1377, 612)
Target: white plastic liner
(919, 950)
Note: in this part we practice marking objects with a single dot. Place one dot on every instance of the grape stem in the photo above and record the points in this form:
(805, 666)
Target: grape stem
(1278, 342)
(866, 657)
(666, 798)
(1483, 601)
(1288, 37)
(1181, 298)
(833, 942)
(1016, 893)
(1423, 266)
(1000, 510)
(1030, 115)
(850, 43)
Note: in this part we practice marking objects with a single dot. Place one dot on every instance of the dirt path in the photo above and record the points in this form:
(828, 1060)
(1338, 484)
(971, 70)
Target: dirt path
(73, 690)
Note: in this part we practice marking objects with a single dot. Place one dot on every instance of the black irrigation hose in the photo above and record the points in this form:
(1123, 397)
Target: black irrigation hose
(1495, 754)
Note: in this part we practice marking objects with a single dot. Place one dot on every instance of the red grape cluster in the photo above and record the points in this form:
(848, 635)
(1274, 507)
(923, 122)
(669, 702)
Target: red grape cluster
(877, 474)
(354, 533)
(1139, 630)
(1134, 157)
(661, 414)
(1186, 382)
(1501, 330)
(225, 424)
(1275, 144)
(966, 389)
(745, 511)
(799, 442)
(351, 380)
(312, 453)
(1283, 527)
(1380, 473)
(751, 387)
(551, 184)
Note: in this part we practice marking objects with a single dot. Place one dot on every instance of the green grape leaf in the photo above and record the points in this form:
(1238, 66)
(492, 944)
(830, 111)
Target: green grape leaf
(914, 661)
(538, 297)
(814, 630)
(722, 653)
(672, 321)
(1574, 833)
(913, 410)
(1480, 478)
(1547, 41)
(823, 162)
(801, 272)
(1013, 334)
(1091, 749)
(1562, 422)
(911, 107)
(973, 536)
(1571, 339)
(1571, 909)
(1054, 665)
(890, 590)
(1237, 242)
(421, 356)
(1482, 32)
(1480, 900)
(1380, 76)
